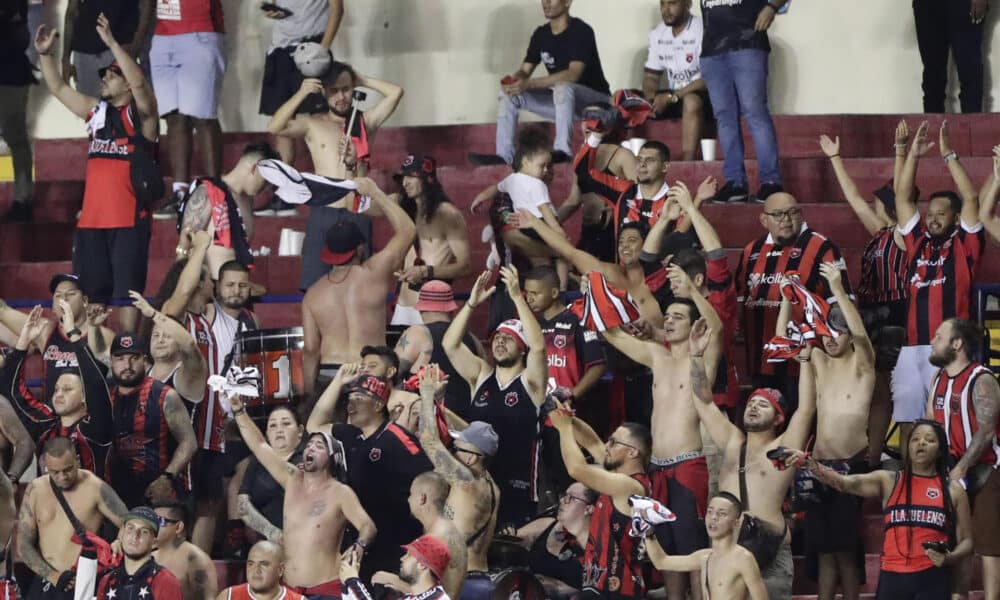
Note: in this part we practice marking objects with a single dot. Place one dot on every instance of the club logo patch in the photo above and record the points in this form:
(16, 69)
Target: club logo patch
(511, 399)
(375, 454)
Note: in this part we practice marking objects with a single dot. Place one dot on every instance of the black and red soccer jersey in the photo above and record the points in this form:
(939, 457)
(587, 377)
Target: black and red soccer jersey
(143, 442)
(722, 297)
(571, 349)
(612, 566)
(955, 410)
(92, 434)
(631, 207)
(208, 417)
(883, 270)
(761, 264)
(940, 276)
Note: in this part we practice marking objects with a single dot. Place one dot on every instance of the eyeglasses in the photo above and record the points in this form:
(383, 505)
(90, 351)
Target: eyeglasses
(168, 521)
(612, 442)
(781, 215)
(457, 449)
(567, 498)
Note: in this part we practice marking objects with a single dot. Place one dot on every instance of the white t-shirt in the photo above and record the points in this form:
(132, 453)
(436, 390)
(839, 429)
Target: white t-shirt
(526, 192)
(677, 56)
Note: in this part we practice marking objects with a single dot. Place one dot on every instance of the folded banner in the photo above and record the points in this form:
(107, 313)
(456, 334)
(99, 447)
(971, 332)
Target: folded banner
(310, 189)
(814, 324)
(602, 306)
(646, 515)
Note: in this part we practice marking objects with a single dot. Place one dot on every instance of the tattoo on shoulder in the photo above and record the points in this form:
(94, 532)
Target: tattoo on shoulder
(112, 501)
(198, 211)
(403, 341)
(448, 465)
(986, 398)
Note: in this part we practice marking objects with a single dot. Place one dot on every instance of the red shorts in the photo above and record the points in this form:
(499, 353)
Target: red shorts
(331, 590)
(683, 488)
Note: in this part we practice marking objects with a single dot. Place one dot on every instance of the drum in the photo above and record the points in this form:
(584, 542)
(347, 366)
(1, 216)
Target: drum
(506, 552)
(516, 583)
(277, 354)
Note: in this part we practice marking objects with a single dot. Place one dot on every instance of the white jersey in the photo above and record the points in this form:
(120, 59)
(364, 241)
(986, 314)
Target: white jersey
(678, 56)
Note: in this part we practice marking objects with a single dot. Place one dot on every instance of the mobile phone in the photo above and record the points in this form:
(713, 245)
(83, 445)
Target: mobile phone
(508, 80)
(780, 453)
(941, 547)
(275, 7)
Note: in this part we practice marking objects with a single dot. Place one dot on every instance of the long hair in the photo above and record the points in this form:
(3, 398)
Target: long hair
(434, 197)
(940, 471)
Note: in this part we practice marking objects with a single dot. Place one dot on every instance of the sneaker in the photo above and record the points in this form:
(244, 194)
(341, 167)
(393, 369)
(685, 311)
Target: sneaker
(276, 208)
(730, 193)
(19, 212)
(171, 208)
(485, 160)
(765, 190)
(559, 157)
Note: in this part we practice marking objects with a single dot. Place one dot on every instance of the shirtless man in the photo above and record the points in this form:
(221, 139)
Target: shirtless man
(44, 531)
(844, 371)
(765, 486)
(678, 469)
(265, 568)
(428, 495)
(612, 567)
(441, 250)
(177, 361)
(317, 508)
(345, 310)
(727, 569)
(472, 500)
(8, 517)
(335, 156)
(52, 341)
(190, 565)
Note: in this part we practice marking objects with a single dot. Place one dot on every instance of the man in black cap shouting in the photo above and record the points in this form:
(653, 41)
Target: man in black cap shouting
(153, 437)
(344, 310)
(139, 577)
(53, 341)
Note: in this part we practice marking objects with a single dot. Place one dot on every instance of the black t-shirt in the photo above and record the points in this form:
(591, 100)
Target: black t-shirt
(729, 26)
(15, 70)
(265, 494)
(122, 14)
(577, 43)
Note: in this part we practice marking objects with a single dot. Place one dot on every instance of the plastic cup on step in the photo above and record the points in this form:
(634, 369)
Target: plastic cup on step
(708, 148)
(285, 242)
(296, 242)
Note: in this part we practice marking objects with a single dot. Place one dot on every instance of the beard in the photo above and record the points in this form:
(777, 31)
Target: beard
(757, 427)
(341, 113)
(408, 576)
(612, 465)
(132, 381)
(135, 555)
(943, 359)
(507, 363)
(234, 302)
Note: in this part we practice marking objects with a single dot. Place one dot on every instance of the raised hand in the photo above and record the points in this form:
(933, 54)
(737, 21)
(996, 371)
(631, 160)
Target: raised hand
(902, 136)
(44, 39)
(140, 303)
(510, 280)
(680, 194)
(707, 188)
(431, 380)
(311, 85)
(944, 144)
(104, 31)
(920, 144)
(32, 328)
(480, 292)
(201, 239)
(348, 373)
(996, 162)
(830, 147)
(699, 337)
(561, 416)
(97, 314)
(66, 319)
(832, 274)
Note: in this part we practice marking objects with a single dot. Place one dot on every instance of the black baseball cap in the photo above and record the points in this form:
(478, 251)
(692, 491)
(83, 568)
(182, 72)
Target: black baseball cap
(126, 343)
(113, 67)
(425, 168)
(61, 277)
(342, 241)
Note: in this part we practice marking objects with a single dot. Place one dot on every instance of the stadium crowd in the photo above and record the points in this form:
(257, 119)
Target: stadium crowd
(450, 466)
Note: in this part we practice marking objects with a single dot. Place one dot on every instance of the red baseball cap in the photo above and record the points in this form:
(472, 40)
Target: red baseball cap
(430, 552)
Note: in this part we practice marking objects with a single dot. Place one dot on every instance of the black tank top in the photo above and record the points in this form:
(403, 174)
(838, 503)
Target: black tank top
(458, 394)
(567, 567)
(58, 354)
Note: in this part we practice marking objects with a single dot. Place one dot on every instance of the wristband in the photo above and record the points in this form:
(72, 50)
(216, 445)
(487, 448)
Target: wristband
(834, 155)
(950, 156)
(430, 271)
(168, 475)
(241, 411)
(180, 251)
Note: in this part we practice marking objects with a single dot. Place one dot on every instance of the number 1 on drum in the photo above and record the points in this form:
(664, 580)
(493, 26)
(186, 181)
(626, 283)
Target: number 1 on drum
(284, 368)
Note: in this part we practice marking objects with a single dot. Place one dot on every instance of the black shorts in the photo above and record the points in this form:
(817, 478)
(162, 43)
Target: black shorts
(110, 262)
(208, 468)
(833, 521)
(42, 590)
(676, 110)
(683, 488)
(282, 78)
(929, 584)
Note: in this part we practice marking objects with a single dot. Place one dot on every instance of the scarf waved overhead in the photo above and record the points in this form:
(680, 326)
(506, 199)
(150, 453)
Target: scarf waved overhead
(807, 332)
(603, 307)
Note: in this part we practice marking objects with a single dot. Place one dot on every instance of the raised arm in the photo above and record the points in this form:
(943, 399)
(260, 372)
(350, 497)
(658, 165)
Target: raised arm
(190, 380)
(284, 121)
(986, 401)
(536, 373)
(391, 95)
(707, 234)
(404, 231)
(638, 350)
(900, 143)
(321, 417)
(276, 465)
(966, 189)
(719, 428)
(906, 208)
(468, 365)
(800, 426)
(79, 104)
(862, 343)
(414, 348)
(988, 200)
(678, 564)
(593, 476)
(587, 438)
(784, 316)
(13, 319)
(311, 345)
(584, 262)
(444, 462)
(333, 23)
(865, 213)
(142, 92)
(111, 505)
(187, 282)
(877, 484)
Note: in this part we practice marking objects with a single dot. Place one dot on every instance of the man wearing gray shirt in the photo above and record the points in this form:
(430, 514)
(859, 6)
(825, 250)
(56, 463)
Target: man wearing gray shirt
(293, 22)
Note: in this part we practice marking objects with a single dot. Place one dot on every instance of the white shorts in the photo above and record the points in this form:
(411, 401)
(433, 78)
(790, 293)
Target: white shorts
(911, 383)
(406, 315)
(187, 71)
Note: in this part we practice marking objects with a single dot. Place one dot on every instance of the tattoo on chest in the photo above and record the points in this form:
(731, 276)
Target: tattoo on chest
(449, 512)
(317, 508)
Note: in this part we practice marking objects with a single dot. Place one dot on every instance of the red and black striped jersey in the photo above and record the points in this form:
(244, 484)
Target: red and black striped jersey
(143, 442)
(940, 275)
(611, 560)
(760, 265)
(883, 270)
(572, 350)
(722, 297)
(954, 408)
(242, 592)
(208, 417)
(631, 207)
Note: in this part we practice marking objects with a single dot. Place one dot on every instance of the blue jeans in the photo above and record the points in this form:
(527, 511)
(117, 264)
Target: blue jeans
(737, 85)
(561, 103)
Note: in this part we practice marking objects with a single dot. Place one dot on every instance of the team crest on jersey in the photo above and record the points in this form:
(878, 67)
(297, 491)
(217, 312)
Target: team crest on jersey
(939, 402)
(614, 584)
(375, 454)
(511, 399)
(689, 57)
(795, 253)
(559, 341)
(933, 493)
(481, 400)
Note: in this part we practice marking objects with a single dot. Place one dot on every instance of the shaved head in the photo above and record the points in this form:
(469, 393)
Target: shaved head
(272, 549)
(780, 201)
(782, 218)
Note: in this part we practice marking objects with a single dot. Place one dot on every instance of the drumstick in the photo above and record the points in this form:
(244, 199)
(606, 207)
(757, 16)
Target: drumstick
(357, 97)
